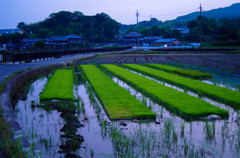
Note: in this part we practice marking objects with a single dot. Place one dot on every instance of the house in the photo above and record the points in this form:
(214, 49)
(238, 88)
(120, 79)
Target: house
(182, 30)
(150, 39)
(168, 42)
(29, 42)
(132, 37)
(10, 31)
(56, 41)
(74, 39)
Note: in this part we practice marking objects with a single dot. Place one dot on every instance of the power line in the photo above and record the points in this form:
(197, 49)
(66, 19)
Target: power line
(160, 15)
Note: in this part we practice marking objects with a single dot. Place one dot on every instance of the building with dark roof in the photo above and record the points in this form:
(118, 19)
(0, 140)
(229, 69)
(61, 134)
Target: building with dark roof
(168, 41)
(56, 41)
(150, 39)
(74, 38)
(132, 37)
(29, 42)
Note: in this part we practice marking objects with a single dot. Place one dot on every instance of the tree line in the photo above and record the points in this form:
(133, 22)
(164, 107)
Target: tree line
(222, 32)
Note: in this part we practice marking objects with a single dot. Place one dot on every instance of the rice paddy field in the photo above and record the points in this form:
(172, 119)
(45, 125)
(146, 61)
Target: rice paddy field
(132, 110)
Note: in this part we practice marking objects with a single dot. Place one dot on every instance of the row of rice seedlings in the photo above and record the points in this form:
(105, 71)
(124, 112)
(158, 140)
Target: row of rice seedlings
(124, 85)
(117, 101)
(186, 105)
(185, 72)
(59, 86)
(187, 149)
(220, 93)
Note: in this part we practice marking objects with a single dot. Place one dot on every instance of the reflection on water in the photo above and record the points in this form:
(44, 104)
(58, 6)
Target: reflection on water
(169, 135)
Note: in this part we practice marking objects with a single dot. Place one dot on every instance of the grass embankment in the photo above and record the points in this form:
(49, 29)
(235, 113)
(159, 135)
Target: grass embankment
(60, 86)
(118, 103)
(184, 72)
(186, 105)
(220, 93)
(11, 147)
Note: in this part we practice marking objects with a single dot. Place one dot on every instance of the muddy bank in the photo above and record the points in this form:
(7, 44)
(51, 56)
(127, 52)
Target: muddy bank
(6, 98)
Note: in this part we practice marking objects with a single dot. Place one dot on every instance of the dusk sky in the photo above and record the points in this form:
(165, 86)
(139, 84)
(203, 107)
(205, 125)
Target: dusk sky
(29, 11)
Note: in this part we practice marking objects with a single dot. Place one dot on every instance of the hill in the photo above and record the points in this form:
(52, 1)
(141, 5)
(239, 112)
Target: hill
(232, 11)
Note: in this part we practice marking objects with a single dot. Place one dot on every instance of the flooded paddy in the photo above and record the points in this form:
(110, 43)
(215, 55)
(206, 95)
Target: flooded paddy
(167, 136)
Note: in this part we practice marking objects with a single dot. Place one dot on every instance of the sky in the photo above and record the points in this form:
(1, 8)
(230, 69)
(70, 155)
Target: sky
(124, 11)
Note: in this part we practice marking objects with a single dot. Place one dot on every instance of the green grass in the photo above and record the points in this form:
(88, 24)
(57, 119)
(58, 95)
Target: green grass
(11, 147)
(118, 103)
(219, 93)
(181, 102)
(185, 72)
(59, 86)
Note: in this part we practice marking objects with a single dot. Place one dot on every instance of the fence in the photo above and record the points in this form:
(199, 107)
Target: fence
(30, 56)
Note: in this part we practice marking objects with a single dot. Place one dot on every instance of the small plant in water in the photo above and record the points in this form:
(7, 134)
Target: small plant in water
(210, 129)
(182, 128)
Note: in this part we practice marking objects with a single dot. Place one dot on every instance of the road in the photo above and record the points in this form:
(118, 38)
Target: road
(7, 69)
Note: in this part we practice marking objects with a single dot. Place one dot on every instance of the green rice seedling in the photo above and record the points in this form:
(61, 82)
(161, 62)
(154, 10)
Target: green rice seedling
(219, 93)
(210, 132)
(223, 134)
(174, 136)
(59, 86)
(167, 128)
(161, 113)
(83, 107)
(150, 105)
(213, 128)
(144, 100)
(182, 128)
(191, 128)
(185, 72)
(185, 147)
(118, 103)
(185, 105)
(92, 153)
(78, 108)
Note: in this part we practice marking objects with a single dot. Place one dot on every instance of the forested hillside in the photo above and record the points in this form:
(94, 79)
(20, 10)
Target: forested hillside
(64, 23)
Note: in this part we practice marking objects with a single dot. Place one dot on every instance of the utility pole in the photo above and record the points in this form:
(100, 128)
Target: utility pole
(151, 28)
(137, 15)
(200, 26)
(92, 32)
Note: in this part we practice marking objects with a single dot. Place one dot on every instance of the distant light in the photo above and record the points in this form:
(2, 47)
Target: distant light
(165, 45)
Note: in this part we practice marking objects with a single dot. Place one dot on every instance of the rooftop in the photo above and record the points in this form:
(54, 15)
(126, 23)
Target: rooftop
(73, 36)
(133, 34)
(165, 40)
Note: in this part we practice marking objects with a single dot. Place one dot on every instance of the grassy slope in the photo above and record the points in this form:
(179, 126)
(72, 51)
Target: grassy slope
(60, 86)
(224, 94)
(116, 100)
(185, 72)
(182, 102)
